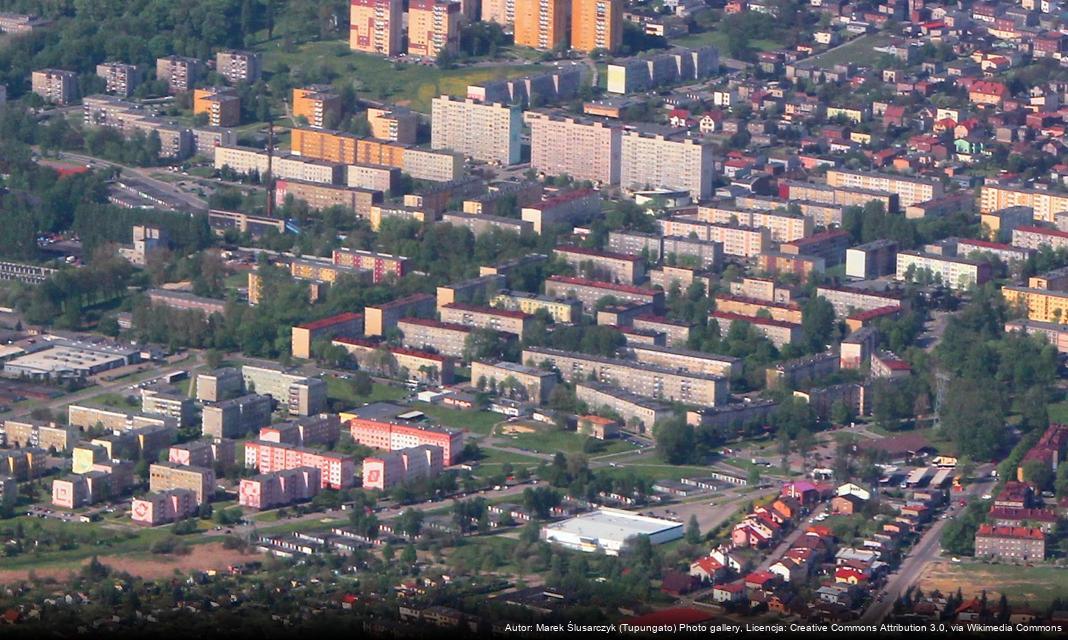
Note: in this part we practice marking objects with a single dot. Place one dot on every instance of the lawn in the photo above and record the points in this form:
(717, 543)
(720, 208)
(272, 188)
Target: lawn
(1036, 586)
(492, 459)
(375, 77)
(719, 39)
(550, 440)
(860, 51)
(1059, 412)
(339, 389)
(480, 422)
(113, 400)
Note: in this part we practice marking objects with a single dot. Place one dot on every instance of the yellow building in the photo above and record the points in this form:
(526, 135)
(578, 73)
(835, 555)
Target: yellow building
(375, 26)
(542, 24)
(320, 106)
(852, 114)
(395, 125)
(1046, 204)
(596, 24)
(1040, 304)
(86, 455)
(561, 310)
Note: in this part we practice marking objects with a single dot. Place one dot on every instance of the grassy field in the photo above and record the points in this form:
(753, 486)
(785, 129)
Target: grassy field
(404, 84)
(480, 422)
(859, 51)
(551, 440)
(1035, 586)
(115, 400)
(340, 390)
(719, 39)
(492, 459)
(1059, 412)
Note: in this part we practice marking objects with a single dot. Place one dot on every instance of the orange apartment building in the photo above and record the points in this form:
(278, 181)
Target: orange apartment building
(433, 27)
(542, 24)
(221, 104)
(375, 26)
(596, 24)
(394, 436)
(320, 106)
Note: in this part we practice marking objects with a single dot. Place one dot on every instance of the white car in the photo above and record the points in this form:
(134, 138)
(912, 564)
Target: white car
(987, 496)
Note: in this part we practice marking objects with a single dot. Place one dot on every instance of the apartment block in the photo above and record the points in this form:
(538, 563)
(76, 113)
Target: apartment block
(119, 79)
(566, 208)
(319, 106)
(445, 338)
(784, 311)
(761, 289)
(279, 488)
(203, 453)
(652, 160)
(383, 359)
(385, 471)
(55, 86)
(583, 149)
(500, 11)
(542, 24)
(221, 104)
(871, 260)
(220, 384)
(1045, 205)
(182, 301)
(636, 377)
(481, 224)
(433, 27)
(556, 85)
(317, 171)
(235, 417)
(955, 273)
(735, 415)
(676, 334)
(486, 132)
(821, 213)
(84, 417)
(782, 225)
(686, 360)
(302, 396)
(474, 290)
(524, 383)
(856, 348)
(375, 26)
(667, 277)
(380, 318)
(170, 402)
(847, 300)
(1014, 543)
(979, 249)
(842, 196)
(648, 245)
(164, 476)
(909, 190)
(521, 193)
(631, 75)
(321, 196)
(589, 292)
(50, 437)
(395, 436)
(178, 72)
(502, 320)
(396, 124)
(638, 412)
(795, 373)
(780, 333)
(23, 464)
(238, 66)
(303, 335)
(163, 507)
(1028, 237)
(562, 311)
(703, 254)
(322, 429)
(736, 240)
(337, 471)
(829, 245)
(242, 160)
(603, 265)
(596, 24)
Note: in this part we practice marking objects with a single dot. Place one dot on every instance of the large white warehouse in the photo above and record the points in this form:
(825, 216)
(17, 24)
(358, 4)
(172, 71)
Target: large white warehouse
(608, 530)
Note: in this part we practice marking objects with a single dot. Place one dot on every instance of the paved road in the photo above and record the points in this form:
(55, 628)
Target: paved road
(927, 549)
(144, 174)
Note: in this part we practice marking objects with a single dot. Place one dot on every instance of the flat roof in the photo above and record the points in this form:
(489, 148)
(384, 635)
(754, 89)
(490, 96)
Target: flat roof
(612, 524)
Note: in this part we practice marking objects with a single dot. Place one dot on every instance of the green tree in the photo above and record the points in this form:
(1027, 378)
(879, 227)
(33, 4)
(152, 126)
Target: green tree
(693, 531)
(674, 441)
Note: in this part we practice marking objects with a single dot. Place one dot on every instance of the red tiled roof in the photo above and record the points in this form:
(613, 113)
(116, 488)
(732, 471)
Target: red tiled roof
(874, 313)
(583, 282)
(1009, 513)
(725, 315)
(340, 318)
(763, 303)
(427, 322)
(1044, 231)
(1010, 532)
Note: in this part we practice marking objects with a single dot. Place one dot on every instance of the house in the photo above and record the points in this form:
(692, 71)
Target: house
(707, 569)
(846, 505)
(760, 580)
(730, 592)
(728, 560)
(807, 492)
(789, 570)
(849, 575)
(836, 594)
(850, 488)
(788, 507)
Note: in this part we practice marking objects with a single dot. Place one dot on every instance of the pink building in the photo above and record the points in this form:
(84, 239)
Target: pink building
(279, 488)
(338, 471)
(398, 467)
(393, 436)
(164, 506)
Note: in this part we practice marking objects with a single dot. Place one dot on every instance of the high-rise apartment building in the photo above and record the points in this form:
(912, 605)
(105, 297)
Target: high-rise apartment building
(433, 27)
(542, 24)
(119, 79)
(396, 125)
(583, 149)
(484, 131)
(238, 66)
(375, 26)
(500, 11)
(651, 161)
(220, 104)
(178, 72)
(320, 106)
(55, 85)
(596, 24)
